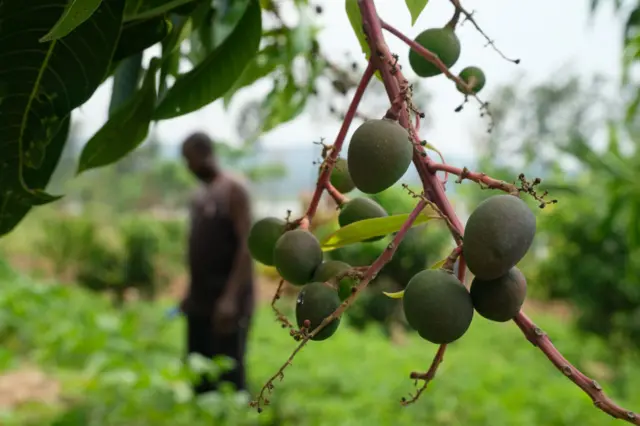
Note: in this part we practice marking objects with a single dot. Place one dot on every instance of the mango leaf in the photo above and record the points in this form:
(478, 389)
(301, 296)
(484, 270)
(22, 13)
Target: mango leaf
(227, 21)
(284, 103)
(41, 84)
(137, 36)
(415, 8)
(368, 228)
(214, 76)
(439, 264)
(145, 9)
(125, 81)
(39, 178)
(263, 64)
(171, 55)
(355, 18)
(126, 128)
(396, 295)
(76, 12)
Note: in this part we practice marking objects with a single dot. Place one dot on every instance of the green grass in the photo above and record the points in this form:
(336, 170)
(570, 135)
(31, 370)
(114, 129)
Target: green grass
(124, 368)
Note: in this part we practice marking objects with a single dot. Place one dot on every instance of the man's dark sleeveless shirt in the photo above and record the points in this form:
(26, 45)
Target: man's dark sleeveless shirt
(212, 247)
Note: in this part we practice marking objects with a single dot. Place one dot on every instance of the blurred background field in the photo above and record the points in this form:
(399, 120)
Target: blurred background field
(86, 281)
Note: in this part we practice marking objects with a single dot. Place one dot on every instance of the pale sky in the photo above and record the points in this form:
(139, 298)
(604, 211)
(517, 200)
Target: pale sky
(549, 36)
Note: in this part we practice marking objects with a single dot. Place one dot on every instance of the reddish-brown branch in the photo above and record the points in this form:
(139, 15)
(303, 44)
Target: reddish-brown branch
(432, 185)
(429, 56)
(464, 173)
(323, 179)
(337, 196)
(426, 377)
(539, 338)
(392, 81)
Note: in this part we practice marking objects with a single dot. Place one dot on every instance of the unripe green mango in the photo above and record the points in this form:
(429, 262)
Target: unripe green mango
(315, 302)
(263, 237)
(499, 299)
(498, 234)
(379, 154)
(443, 42)
(296, 256)
(437, 306)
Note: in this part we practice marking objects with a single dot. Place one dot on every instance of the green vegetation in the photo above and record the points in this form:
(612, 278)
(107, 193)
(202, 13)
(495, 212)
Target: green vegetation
(120, 363)
(382, 146)
(123, 367)
(438, 306)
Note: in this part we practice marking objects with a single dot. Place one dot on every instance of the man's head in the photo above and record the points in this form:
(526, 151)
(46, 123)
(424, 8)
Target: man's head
(198, 151)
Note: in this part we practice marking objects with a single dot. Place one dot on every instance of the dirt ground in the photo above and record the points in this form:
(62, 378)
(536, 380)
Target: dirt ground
(27, 385)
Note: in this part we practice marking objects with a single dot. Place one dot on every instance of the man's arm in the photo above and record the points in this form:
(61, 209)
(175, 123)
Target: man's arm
(240, 210)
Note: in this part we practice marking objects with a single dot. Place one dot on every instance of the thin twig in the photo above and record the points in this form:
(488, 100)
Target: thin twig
(539, 338)
(426, 377)
(282, 318)
(337, 196)
(337, 145)
(469, 17)
(431, 57)
(480, 178)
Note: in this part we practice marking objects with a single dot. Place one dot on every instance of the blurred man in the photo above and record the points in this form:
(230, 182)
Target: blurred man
(219, 301)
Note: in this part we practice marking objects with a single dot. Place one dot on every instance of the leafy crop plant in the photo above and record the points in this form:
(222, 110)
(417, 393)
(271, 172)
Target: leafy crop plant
(499, 233)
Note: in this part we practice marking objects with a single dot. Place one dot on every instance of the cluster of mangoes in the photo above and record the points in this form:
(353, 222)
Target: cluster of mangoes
(436, 304)
(444, 43)
(380, 152)
(497, 236)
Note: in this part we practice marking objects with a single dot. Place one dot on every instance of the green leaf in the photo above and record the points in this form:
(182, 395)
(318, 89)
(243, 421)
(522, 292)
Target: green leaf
(433, 148)
(41, 84)
(137, 36)
(39, 178)
(396, 295)
(263, 64)
(145, 9)
(126, 129)
(125, 81)
(439, 264)
(415, 8)
(357, 232)
(284, 103)
(76, 12)
(214, 76)
(224, 24)
(355, 18)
